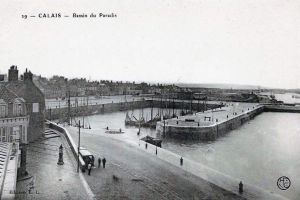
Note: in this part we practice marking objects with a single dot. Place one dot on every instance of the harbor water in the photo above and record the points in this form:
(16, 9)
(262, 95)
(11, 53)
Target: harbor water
(257, 153)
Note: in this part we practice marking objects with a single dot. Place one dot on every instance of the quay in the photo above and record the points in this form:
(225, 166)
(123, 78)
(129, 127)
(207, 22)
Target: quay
(209, 125)
(282, 108)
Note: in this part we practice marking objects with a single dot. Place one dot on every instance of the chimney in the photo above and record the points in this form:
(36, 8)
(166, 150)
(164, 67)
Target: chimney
(27, 75)
(13, 73)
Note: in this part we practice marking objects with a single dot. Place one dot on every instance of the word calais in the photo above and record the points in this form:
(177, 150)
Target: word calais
(74, 15)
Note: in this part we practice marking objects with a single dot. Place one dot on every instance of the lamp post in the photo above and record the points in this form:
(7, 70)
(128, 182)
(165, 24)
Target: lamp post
(78, 146)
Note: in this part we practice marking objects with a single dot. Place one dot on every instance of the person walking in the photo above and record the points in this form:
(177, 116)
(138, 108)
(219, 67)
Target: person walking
(90, 168)
(99, 162)
(181, 161)
(241, 187)
(103, 161)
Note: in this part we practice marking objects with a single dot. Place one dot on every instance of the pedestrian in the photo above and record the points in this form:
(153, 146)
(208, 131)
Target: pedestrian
(181, 161)
(146, 145)
(90, 168)
(241, 187)
(103, 161)
(99, 162)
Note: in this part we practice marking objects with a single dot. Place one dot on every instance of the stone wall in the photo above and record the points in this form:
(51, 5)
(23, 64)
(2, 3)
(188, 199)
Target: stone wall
(59, 113)
(205, 133)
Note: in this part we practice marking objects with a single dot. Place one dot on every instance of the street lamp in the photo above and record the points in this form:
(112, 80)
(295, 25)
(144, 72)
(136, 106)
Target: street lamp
(78, 146)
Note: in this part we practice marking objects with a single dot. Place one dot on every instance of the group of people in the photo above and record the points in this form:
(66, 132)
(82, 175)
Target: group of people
(103, 161)
(99, 165)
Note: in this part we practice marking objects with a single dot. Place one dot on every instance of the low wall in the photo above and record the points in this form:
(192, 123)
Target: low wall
(58, 113)
(73, 146)
(206, 132)
(282, 108)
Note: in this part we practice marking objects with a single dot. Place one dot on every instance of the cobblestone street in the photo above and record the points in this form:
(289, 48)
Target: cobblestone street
(133, 174)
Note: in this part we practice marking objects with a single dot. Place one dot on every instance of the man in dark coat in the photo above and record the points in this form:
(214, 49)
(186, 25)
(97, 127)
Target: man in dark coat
(99, 162)
(103, 161)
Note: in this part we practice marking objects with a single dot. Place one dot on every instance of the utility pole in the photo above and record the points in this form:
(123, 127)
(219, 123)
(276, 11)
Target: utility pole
(173, 107)
(191, 104)
(152, 109)
(78, 147)
(69, 108)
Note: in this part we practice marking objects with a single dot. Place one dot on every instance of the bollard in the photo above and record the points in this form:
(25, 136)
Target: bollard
(61, 154)
(241, 187)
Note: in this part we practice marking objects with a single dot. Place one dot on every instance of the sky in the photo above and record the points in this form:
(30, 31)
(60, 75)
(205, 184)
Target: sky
(252, 42)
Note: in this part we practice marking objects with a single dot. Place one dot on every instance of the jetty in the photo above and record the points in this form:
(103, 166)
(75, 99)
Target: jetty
(210, 124)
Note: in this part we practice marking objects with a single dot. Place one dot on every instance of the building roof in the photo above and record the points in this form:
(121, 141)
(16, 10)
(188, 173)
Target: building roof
(27, 90)
(7, 95)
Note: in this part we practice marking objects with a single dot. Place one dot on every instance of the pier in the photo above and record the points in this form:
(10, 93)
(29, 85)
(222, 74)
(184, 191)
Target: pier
(208, 125)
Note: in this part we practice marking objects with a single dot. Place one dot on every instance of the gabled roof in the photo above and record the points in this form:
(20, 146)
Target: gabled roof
(25, 89)
(19, 100)
(7, 95)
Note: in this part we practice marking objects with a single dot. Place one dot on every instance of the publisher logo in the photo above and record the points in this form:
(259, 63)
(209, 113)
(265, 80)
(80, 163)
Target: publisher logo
(283, 183)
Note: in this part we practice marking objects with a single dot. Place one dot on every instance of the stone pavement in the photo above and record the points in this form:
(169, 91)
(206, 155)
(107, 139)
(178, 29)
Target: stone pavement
(46, 179)
(213, 117)
(145, 174)
(131, 173)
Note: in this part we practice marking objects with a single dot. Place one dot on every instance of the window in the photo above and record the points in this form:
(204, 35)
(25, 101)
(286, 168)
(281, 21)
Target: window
(2, 134)
(35, 107)
(3, 111)
(24, 135)
(20, 137)
(17, 109)
(11, 136)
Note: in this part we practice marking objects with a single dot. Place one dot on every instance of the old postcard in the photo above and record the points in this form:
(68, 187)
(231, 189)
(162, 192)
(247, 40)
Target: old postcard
(167, 99)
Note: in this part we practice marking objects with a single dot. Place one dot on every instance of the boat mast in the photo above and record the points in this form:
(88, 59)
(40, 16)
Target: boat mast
(152, 109)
